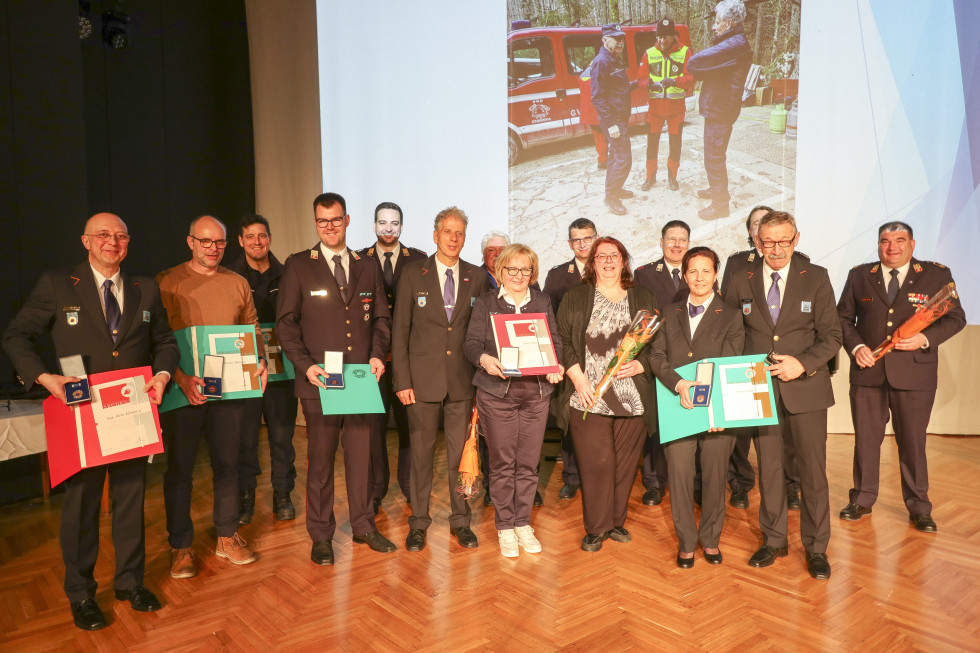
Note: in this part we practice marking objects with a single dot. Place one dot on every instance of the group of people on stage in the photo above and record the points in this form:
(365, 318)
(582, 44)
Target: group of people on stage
(424, 326)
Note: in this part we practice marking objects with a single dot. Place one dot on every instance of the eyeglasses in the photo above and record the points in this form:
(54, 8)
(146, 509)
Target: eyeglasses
(612, 258)
(105, 236)
(333, 222)
(769, 244)
(575, 242)
(206, 243)
(524, 272)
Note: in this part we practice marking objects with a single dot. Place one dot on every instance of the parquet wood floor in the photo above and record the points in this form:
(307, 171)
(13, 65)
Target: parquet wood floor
(892, 588)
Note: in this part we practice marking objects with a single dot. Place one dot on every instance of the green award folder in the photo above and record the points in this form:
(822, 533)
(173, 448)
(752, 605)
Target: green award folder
(361, 393)
(235, 343)
(741, 395)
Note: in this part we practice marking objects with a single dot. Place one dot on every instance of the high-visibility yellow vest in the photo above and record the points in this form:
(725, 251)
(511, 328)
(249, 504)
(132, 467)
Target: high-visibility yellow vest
(663, 67)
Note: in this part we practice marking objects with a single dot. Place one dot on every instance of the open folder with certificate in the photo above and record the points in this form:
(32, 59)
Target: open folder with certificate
(119, 423)
(524, 343)
(732, 391)
(360, 393)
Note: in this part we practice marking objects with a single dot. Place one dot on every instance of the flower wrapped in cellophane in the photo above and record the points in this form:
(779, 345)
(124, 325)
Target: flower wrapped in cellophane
(469, 463)
(937, 306)
(641, 331)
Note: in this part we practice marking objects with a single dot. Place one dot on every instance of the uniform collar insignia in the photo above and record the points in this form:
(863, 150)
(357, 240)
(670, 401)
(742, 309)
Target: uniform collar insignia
(660, 267)
(571, 267)
(751, 257)
(405, 251)
(874, 269)
(314, 253)
(354, 254)
(370, 251)
(917, 267)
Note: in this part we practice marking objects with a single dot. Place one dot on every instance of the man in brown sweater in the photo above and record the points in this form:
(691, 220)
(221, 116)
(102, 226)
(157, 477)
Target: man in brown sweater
(201, 293)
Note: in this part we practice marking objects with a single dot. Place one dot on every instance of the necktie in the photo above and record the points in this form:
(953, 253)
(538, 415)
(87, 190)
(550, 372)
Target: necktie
(773, 297)
(694, 311)
(449, 294)
(676, 274)
(338, 273)
(111, 309)
(389, 271)
(893, 287)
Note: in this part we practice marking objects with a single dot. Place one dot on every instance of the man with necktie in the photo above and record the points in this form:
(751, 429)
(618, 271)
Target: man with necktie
(431, 372)
(877, 299)
(788, 312)
(115, 321)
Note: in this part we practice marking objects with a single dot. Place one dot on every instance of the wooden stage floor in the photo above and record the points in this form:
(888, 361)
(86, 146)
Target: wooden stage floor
(892, 588)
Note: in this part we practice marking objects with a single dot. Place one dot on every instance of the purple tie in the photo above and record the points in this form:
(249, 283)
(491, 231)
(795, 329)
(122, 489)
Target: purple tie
(694, 311)
(773, 298)
(449, 294)
(111, 309)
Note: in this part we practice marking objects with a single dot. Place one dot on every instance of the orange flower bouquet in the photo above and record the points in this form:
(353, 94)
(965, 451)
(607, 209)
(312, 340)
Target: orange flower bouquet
(937, 306)
(637, 336)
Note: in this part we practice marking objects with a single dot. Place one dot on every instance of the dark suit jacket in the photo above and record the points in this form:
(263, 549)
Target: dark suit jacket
(740, 261)
(656, 278)
(312, 316)
(808, 328)
(720, 333)
(560, 278)
(573, 320)
(480, 339)
(427, 349)
(70, 294)
(406, 256)
(867, 318)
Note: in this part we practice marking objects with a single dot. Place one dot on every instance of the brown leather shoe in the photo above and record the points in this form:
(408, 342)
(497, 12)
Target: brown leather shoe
(182, 563)
(235, 550)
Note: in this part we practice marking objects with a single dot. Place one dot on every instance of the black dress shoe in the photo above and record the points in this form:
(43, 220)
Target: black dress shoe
(672, 183)
(615, 205)
(376, 541)
(713, 558)
(246, 506)
(624, 194)
(793, 500)
(487, 501)
(854, 512)
(652, 497)
(415, 540)
(704, 193)
(538, 499)
(87, 615)
(818, 565)
(465, 537)
(322, 553)
(619, 534)
(140, 598)
(593, 543)
(648, 183)
(685, 563)
(767, 555)
(923, 523)
(282, 507)
(568, 491)
(740, 499)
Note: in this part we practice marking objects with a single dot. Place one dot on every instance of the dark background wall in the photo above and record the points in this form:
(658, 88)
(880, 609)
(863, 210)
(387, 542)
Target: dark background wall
(158, 133)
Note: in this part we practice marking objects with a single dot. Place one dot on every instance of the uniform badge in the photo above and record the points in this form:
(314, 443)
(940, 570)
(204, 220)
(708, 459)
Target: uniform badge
(806, 307)
(367, 317)
(72, 318)
(420, 301)
(746, 306)
(146, 316)
(354, 254)
(472, 302)
(874, 269)
(751, 257)
(660, 267)
(571, 268)
(367, 307)
(370, 251)
(405, 251)
(917, 267)
(318, 293)
(314, 254)
(918, 299)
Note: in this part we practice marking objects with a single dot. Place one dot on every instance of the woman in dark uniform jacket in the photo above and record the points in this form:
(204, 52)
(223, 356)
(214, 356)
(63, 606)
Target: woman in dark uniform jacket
(513, 409)
(717, 331)
(592, 320)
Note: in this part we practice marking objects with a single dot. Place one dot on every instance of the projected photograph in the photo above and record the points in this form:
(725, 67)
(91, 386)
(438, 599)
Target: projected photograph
(562, 163)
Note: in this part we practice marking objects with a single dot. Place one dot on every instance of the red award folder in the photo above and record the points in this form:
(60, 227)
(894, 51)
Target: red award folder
(524, 343)
(129, 424)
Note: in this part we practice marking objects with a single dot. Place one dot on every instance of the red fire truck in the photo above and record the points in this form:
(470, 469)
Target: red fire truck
(543, 69)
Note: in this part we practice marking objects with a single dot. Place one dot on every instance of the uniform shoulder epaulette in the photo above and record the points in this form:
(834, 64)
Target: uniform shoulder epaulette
(806, 256)
(861, 265)
(368, 252)
(414, 250)
(938, 265)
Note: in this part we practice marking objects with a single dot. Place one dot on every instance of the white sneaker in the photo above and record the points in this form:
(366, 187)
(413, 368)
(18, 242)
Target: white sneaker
(508, 543)
(525, 537)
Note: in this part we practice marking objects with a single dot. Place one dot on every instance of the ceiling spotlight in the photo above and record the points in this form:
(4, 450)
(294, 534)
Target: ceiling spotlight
(114, 29)
(85, 27)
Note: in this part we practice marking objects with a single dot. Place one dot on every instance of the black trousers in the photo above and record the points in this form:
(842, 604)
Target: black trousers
(654, 464)
(220, 422)
(279, 407)
(714, 448)
(80, 526)
(380, 468)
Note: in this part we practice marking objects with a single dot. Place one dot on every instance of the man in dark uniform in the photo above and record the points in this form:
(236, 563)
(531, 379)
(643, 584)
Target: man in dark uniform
(392, 256)
(114, 321)
(663, 73)
(877, 299)
(262, 270)
(664, 279)
(722, 68)
(741, 476)
(333, 300)
(611, 88)
(788, 309)
(581, 235)
(432, 310)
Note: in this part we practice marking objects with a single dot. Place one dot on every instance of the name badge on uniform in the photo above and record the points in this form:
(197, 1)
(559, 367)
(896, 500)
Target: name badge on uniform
(806, 307)
(146, 316)
(318, 293)
(72, 318)
(746, 307)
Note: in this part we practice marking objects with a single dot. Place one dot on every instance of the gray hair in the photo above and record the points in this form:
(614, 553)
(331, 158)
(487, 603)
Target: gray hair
(731, 11)
(490, 236)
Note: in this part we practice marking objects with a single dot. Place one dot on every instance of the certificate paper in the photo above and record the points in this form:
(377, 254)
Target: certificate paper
(529, 334)
(123, 415)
